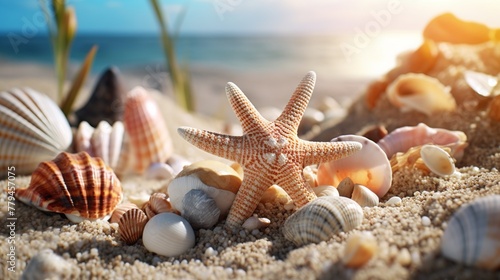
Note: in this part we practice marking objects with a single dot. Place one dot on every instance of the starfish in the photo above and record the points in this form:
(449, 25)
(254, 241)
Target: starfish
(269, 152)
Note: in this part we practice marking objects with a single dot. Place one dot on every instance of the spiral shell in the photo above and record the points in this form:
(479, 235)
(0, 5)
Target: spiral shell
(321, 219)
(77, 185)
(131, 225)
(32, 129)
(168, 235)
(472, 236)
(150, 141)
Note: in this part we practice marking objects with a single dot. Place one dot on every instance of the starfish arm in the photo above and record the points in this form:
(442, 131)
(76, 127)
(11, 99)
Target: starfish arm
(294, 110)
(225, 146)
(291, 180)
(253, 186)
(249, 117)
(317, 152)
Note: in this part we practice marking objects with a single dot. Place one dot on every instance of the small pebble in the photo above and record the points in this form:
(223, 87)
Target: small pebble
(404, 257)
(426, 221)
(393, 201)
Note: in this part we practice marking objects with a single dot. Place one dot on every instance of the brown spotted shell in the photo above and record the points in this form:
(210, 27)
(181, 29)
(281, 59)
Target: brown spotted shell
(120, 210)
(131, 225)
(77, 185)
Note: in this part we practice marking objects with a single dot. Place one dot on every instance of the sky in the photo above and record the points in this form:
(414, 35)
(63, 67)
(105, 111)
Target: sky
(248, 16)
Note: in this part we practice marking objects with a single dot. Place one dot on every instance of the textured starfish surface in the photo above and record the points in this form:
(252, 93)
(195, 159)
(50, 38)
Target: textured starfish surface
(269, 152)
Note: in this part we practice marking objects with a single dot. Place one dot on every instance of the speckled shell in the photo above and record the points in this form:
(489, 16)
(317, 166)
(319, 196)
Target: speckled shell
(144, 124)
(32, 129)
(168, 235)
(131, 225)
(77, 185)
(321, 219)
(421, 93)
(472, 236)
(403, 138)
(369, 167)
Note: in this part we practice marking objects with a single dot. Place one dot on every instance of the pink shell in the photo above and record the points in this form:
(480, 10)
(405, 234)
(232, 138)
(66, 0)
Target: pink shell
(149, 138)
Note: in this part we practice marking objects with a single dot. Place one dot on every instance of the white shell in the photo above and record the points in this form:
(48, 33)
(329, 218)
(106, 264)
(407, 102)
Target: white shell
(472, 236)
(168, 235)
(364, 196)
(82, 138)
(437, 160)
(177, 163)
(321, 219)
(199, 209)
(326, 190)
(255, 222)
(32, 130)
(159, 171)
(483, 84)
(369, 167)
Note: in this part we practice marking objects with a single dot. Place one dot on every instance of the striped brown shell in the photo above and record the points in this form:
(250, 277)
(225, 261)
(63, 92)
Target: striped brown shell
(77, 185)
(131, 225)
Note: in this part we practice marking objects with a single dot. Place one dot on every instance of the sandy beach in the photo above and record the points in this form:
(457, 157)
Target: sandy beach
(408, 248)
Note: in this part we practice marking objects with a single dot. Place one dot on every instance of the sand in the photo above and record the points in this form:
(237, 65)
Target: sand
(408, 247)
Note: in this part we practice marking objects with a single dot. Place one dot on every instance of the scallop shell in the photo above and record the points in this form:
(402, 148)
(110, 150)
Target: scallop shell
(369, 167)
(359, 249)
(421, 93)
(199, 209)
(131, 225)
(437, 160)
(77, 185)
(403, 138)
(321, 219)
(158, 203)
(120, 210)
(149, 138)
(32, 129)
(82, 138)
(472, 236)
(168, 235)
(364, 196)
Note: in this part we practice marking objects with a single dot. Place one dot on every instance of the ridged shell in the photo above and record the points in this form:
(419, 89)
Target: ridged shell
(326, 190)
(472, 236)
(131, 225)
(403, 138)
(144, 124)
(120, 210)
(168, 235)
(437, 160)
(359, 249)
(421, 93)
(77, 185)
(158, 203)
(321, 219)
(364, 196)
(199, 209)
(411, 159)
(32, 129)
(369, 167)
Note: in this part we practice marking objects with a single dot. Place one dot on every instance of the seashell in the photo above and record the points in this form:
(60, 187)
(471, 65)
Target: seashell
(326, 191)
(364, 196)
(158, 203)
(393, 201)
(139, 199)
(159, 171)
(106, 101)
(199, 209)
(403, 138)
(412, 159)
(255, 222)
(32, 129)
(120, 210)
(437, 160)
(483, 84)
(359, 249)
(149, 138)
(77, 185)
(369, 167)
(494, 109)
(321, 219)
(168, 235)
(310, 176)
(131, 225)
(345, 187)
(448, 28)
(177, 163)
(275, 193)
(421, 93)
(82, 138)
(472, 234)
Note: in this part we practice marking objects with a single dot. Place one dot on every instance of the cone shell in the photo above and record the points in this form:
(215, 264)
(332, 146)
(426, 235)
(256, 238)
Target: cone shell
(32, 129)
(149, 138)
(421, 93)
(472, 236)
(131, 225)
(364, 196)
(169, 235)
(77, 185)
(369, 167)
(321, 219)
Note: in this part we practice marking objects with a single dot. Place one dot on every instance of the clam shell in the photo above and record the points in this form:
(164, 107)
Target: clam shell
(472, 236)
(326, 190)
(131, 225)
(32, 129)
(364, 196)
(120, 210)
(149, 138)
(359, 249)
(403, 138)
(215, 174)
(421, 93)
(437, 160)
(369, 167)
(77, 185)
(199, 209)
(168, 235)
(321, 219)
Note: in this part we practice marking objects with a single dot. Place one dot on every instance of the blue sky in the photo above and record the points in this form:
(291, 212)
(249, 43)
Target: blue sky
(248, 16)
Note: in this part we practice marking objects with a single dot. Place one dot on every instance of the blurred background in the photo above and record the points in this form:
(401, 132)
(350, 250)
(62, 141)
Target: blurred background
(265, 47)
